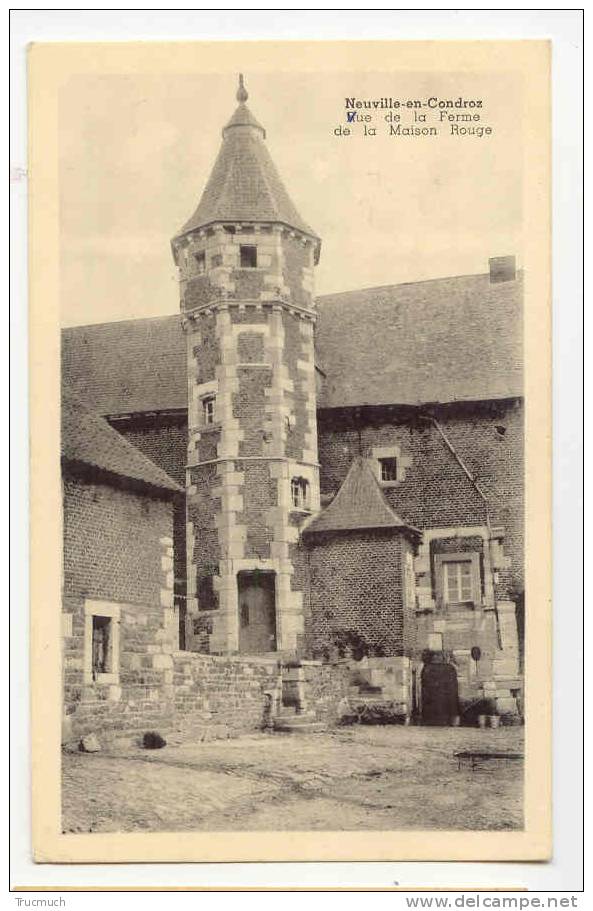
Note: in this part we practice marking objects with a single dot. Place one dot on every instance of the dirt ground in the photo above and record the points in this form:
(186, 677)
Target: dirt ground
(383, 778)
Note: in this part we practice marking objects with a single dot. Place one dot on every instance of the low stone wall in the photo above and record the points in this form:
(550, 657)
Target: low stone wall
(392, 675)
(186, 695)
(324, 688)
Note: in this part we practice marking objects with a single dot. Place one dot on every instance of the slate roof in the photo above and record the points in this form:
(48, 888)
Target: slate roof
(358, 504)
(445, 340)
(126, 367)
(87, 439)
(450, 339)
(244, 184)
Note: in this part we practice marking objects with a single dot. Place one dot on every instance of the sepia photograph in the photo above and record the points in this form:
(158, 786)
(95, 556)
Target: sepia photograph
(292, 447)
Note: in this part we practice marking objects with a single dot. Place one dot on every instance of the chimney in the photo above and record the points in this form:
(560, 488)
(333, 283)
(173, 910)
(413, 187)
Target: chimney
(502, 269)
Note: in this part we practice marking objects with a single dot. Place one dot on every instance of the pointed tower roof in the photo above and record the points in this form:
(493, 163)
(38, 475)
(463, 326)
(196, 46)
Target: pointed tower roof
(358, 504)
(244, 185)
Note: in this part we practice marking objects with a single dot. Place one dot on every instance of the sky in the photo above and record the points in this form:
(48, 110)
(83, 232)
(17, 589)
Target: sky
(136, 150)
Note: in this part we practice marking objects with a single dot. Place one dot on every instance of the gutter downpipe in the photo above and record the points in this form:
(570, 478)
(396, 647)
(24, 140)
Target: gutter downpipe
(482, 496)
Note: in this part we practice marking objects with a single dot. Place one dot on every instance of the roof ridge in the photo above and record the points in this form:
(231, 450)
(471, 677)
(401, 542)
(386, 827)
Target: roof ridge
(422, 281)
(120, 322)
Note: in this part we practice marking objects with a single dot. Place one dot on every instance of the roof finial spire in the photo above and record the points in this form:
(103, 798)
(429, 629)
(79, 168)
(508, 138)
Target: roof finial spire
(242, 95)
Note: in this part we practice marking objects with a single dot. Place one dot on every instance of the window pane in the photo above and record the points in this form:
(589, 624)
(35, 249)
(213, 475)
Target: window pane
(208, 409)
(466, 590)
(458, 581)
(451, 577)
(388, 469)
(466, 581)
(299, 488)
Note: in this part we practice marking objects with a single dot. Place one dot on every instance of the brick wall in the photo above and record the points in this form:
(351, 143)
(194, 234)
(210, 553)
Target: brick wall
(111, 542)
(163, 439)
(118, 550)
(435, 492)
(357, 586)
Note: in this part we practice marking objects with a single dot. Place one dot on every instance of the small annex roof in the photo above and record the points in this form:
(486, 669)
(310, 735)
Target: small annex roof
(244, 185)
(358, 504)
(88, 440)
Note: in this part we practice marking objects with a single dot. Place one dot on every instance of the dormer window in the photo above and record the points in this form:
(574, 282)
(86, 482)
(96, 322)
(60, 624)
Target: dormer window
(208, 409)
(248, 257)
(200, 260)
(299, 493)
(388, 470)
(389, 465)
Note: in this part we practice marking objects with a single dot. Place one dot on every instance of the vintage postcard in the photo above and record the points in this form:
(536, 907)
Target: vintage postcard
(290, 373)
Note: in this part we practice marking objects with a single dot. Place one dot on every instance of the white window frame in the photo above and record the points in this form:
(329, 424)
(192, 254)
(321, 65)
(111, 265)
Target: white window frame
(390, 458)
(208, 414)
(302, 487)
(454, 577)
(112, 612)
(442, 561)
(379, 453)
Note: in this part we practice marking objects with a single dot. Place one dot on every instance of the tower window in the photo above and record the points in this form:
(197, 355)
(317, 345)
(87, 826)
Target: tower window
(388, 469)
(200, 260)
(248, 257)
(299, 493)
(208, 408)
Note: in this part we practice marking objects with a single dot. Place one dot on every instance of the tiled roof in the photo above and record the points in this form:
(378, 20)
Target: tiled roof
(87, 439)
(244, 184)
(358, 504)
(126, 367)
(450, 339)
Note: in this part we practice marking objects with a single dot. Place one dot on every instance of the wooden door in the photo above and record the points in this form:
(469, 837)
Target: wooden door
(257, 613)
(440, 702)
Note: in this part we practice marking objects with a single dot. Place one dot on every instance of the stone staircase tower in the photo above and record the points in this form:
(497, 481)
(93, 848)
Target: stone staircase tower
(245, 261)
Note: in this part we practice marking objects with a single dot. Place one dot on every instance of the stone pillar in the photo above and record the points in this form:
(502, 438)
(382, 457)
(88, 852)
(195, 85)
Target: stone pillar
(506, 661)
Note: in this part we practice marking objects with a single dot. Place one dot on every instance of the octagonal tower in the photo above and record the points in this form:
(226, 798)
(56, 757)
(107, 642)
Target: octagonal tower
(245, 260)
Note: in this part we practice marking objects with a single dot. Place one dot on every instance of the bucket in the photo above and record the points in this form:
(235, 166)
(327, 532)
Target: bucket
(482, 721)
(494, 720)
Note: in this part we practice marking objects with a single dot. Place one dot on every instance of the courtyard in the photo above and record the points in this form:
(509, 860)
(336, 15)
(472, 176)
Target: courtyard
(355, 778)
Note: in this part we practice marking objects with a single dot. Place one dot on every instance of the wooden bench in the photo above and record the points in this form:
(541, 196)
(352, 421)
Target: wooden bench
(474, 757)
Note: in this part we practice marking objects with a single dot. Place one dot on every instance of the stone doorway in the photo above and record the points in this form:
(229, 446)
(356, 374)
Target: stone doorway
(439, 691)
(257, 612)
